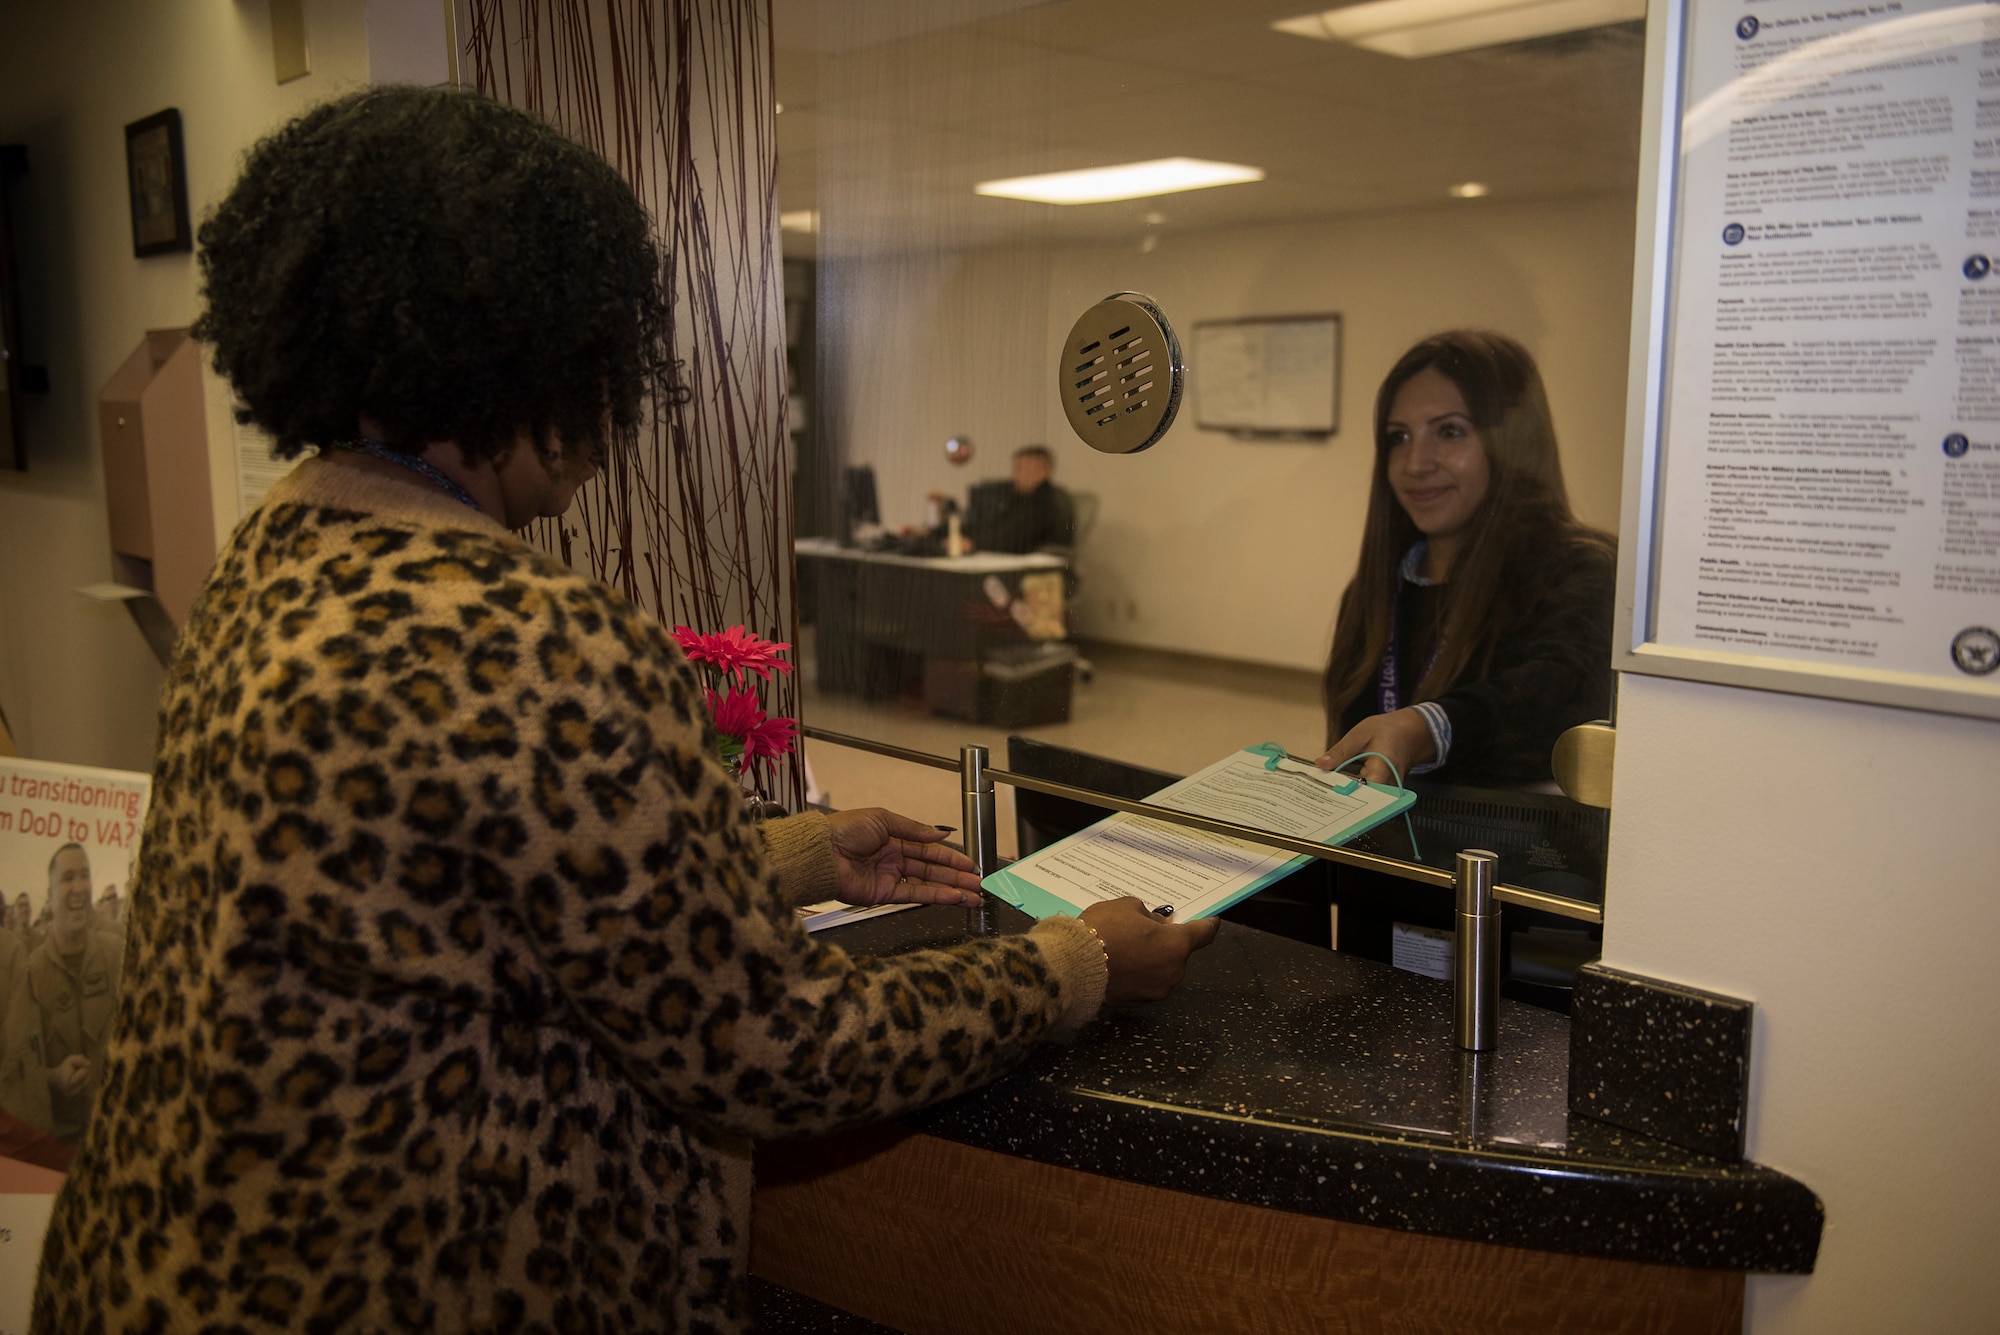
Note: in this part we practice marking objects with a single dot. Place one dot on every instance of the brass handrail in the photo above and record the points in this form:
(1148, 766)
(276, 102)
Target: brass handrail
(1581, 910)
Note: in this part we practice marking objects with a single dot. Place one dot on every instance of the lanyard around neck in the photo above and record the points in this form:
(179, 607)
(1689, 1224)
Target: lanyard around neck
(1388, 685)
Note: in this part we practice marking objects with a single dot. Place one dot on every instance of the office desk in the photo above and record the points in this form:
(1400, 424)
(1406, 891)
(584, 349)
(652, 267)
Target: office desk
(961, 631)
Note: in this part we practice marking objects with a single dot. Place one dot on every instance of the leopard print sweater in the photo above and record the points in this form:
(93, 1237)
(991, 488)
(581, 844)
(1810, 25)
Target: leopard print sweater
(458, 982)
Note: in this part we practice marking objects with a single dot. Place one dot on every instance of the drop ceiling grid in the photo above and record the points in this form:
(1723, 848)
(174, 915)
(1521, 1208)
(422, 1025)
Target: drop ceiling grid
(1086, 82)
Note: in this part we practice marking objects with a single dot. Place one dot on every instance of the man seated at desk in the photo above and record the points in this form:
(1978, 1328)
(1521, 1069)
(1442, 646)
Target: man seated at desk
(1028, 513)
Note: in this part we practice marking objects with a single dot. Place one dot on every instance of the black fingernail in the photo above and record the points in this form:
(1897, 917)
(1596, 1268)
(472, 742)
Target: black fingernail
(948, 829)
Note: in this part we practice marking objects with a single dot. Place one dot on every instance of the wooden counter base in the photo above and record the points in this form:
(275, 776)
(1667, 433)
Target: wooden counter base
(937, 1238)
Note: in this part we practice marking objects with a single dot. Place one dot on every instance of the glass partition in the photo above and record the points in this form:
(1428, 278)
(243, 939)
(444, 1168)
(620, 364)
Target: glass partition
(970, 570)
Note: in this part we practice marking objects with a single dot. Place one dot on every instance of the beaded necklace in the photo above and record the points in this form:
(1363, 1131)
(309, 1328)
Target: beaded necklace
(375, 449)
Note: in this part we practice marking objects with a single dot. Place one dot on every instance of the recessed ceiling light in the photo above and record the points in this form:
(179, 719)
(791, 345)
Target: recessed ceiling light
(1468, 190)
(1416, 28)
(801, 220)
(1130, 180)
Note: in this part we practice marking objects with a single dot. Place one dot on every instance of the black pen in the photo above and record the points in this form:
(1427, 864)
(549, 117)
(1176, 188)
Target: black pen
(1164, 911)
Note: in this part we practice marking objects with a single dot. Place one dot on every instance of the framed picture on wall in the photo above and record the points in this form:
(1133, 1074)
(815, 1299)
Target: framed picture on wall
(156, 172)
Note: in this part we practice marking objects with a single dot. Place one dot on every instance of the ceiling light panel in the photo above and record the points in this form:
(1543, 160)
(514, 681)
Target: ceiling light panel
(1130, 180)
(1413, 29)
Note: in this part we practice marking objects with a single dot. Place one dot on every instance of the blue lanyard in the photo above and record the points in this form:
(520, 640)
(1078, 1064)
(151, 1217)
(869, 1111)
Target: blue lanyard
(1388, 690)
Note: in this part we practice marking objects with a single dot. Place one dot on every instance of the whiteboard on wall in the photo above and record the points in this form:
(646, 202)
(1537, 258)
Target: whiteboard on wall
(1812, 485)
(1271, 377)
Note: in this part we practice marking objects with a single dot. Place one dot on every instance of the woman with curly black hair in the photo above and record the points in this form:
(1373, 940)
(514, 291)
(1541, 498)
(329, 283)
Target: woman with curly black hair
(458, 979)
(499, 286)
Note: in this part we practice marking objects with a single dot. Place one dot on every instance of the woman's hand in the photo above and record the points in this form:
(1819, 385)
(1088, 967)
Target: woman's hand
(1403, 736)
(1147, 954)
(884, 858)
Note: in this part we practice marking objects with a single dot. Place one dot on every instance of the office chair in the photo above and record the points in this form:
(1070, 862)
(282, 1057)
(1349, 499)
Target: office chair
(1084, 507)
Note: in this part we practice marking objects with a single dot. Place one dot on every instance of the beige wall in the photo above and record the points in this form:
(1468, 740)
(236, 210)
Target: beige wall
(76, 679)
(1208, 544)
(1835, 863)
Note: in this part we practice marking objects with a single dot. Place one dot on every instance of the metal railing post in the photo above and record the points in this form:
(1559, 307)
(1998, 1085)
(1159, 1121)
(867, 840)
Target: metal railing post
(978, 824)
(1475, 964)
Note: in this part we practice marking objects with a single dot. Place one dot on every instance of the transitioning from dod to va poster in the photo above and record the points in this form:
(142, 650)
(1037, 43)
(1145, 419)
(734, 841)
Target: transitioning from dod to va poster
(69, 839)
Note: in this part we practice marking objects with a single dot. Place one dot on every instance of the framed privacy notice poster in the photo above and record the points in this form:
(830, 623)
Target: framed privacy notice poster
(1813, 480)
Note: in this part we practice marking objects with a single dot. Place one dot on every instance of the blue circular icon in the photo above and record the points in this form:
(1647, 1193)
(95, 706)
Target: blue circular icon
(1977, 267)
(1732, 234)
(1976, 650)
(1955, 446)
(1747, 28)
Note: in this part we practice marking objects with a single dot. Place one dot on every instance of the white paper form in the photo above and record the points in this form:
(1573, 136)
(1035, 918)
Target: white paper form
(1195, 872)
(24, 1221)
(1832, 460)
(27, 1199)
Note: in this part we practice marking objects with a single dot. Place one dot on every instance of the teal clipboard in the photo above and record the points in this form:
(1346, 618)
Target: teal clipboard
(1037, 902)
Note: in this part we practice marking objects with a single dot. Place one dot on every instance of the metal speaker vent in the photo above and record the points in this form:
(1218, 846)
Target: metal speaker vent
(1121, 374)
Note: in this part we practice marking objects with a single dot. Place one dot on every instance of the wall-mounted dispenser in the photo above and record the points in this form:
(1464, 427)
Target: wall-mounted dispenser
(153, 424)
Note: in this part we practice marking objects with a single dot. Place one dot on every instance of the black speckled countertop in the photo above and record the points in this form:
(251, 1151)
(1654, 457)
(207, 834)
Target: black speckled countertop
(1285, 1075)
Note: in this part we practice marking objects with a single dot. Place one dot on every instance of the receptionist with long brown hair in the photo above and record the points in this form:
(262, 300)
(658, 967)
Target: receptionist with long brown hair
(1477, 627)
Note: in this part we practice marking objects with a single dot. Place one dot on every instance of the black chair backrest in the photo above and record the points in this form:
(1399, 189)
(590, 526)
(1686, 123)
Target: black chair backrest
(1040, 820)
(1545, 841)
(984, 502)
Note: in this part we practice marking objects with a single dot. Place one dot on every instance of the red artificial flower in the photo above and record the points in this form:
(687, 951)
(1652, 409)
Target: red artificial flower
(733, 652)
(770, 739)
(738, 714)
(745, 732)
(739, 717)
